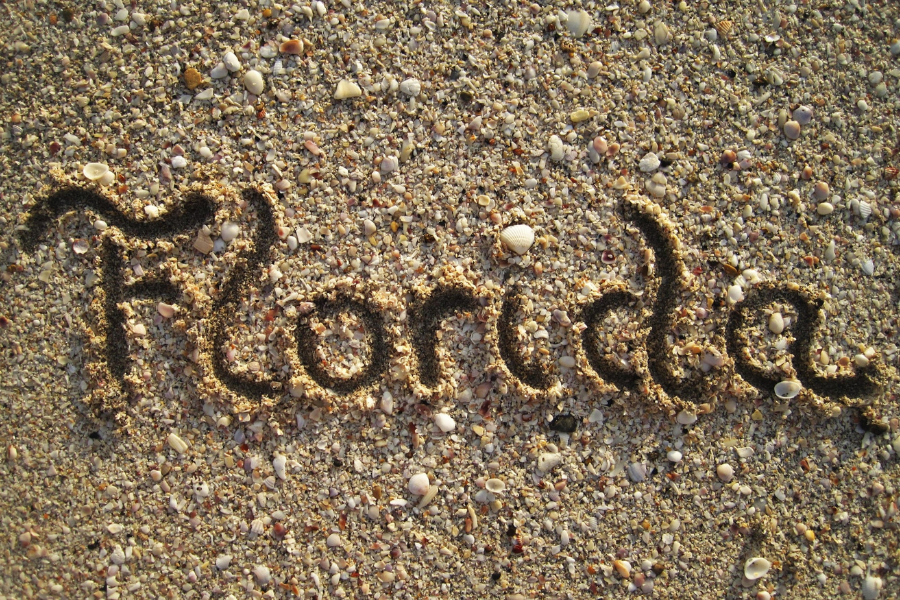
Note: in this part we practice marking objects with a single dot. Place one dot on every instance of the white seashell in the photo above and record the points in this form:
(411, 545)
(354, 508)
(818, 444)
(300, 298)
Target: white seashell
(254, 82)
(411, 87)
(333, 541)
(495, 486)
(347, 89)
(868, 267)
(674, 456)
(279, 464)
(825, 208)
(637, 472)
(518, 238)
(167, 311)
(579, 22)
(548, 461)
(567, 362)
(387, 403)
(725, 472)
(419, 484)
(788, 389)
(218, 72)
(231, 62)
(177, 444)
(756, 567)
(229, 231)
(776, 323)
(865, 209)
(263, 576)
(557, 149)
(390, 164)
(444, 422)
(95, 171)
(735, 294)
(649, 163)
(303, 235)
(871, 587)
(686, 418)
(222, 561)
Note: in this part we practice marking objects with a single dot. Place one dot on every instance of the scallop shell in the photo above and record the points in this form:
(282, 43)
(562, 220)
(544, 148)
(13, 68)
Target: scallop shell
(95, 171)
(495, 486)
(865, 209)
(787, 389)
(756, 567)
(724, 27)
(518, 238)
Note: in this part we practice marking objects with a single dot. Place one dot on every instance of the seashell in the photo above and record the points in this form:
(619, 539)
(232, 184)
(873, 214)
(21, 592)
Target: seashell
(231, 62)
(865, 209)
(444, 422)
(333, 541)
(579, 22)
(724, 27)
(787, 389)
(411, 87)
(291, 47)
(607, 257)
(803, 114)
(890, 173)
(650, 162)
(495, 486)
(95, 171)
(419, 484)
(756, 567)
(871, 587)
(548, 461)
(347, 89)
(725, 472)
(776, 323)
(868, 267)
(557, 149)
(686, 418)
(674, 456)
(518, 238)
(637, 472)
(623, 568)
(279, 465)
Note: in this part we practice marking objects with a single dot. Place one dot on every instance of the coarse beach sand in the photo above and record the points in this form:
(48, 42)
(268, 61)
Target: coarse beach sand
(512, 300)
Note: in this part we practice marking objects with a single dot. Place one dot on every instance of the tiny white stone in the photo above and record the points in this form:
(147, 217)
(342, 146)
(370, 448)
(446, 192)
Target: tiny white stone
(179, 162)
(411, 87)
(756, 567)
(95, 171)
(735, 294)
(518, 238)
(776, 323)
(674, 456)
(263, 576)
(868, 267)
(333, 541)
(253, 81)
(242, 15)
(303, 235)
(369, 227)
(347, 89)
(279, 463)
(567, 362)
(177, 444)
(419, 484)
(229, 231)
(389, 164)
(861, 360)
(222, 561)
(725, 472)
(686, 418)
(444, 422)
(649, 163)
(231, 62)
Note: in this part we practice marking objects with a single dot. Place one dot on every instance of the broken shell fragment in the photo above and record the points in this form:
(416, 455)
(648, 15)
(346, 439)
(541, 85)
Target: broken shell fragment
(347, 89)
(518, 238)
(291, 47)
(95, 171)
(787, 389)
(495, 486)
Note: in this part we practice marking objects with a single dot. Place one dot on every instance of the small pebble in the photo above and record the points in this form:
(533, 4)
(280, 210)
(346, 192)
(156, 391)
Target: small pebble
(674, 456)
(333, 541)
(792, 130)
(262, 574)
(253, 81)
(179, 162)
(231, 62)
(594, 69)
(229, 231)
(776, 323)
(567, 362)
(725, 472)
(192, 78)
(825, 208)
(803, 114)
(177, 444)
(821, 190)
